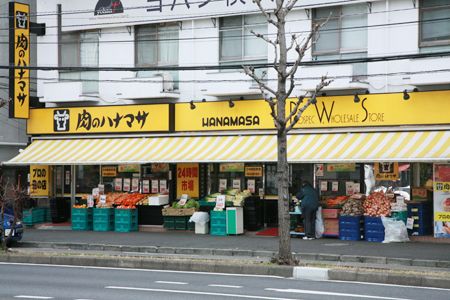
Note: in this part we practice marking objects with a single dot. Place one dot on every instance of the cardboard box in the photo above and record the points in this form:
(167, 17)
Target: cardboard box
(331, 226)
(170, 211)
(330, 213)
(158, 200)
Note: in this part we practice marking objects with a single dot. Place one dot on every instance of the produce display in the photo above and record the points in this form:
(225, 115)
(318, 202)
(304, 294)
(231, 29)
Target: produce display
(191, 203)
(80, 206)
(377, 204)
(120, 200)
(336, 202)
(231, 195)
(352, 207)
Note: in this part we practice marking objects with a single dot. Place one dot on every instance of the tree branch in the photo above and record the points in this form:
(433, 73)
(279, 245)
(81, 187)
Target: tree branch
(250, 71)
(324, 81)
(290, 5)
(264, 12)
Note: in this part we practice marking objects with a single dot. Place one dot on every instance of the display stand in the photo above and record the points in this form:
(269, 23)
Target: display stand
(295, 221)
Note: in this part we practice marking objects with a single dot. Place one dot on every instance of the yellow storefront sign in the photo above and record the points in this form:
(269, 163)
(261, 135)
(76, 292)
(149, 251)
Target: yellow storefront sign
(253, 172)
(39, 181)
(99, 119)
(331, 111)
(188, 180)
(20, 57)
(386, 171)
(109, 171)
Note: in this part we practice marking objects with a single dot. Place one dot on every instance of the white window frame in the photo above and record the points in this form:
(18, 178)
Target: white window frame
(422, 10)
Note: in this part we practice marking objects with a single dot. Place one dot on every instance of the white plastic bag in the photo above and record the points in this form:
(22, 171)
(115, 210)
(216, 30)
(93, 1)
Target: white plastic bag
(394, 231)
(200, 217)
(319, 223)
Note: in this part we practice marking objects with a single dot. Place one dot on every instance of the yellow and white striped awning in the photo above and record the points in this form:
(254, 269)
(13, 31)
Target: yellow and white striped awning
(424, 146)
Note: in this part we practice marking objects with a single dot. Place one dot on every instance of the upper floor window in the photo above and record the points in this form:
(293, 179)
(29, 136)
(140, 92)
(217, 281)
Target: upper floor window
(80, 49)
(434, 23)
(157, 45)
(238, 44)
(344, 33)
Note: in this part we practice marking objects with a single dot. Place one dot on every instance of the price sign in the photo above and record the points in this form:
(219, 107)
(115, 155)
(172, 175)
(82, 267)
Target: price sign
(222, 185)
(145, 186)
(349, 187)
(251, 185)
(324, 186)
(183, 199)
(95, 192)
(103, 199)
(135, 185)
(90, 201)
(237, 184)
(126, 184)
(356, 188)
(118, 184)
(154, 186)
(163, 186)
(410, 223)
(39, 181)
(335, 186)
(220, 202)
(101, 189)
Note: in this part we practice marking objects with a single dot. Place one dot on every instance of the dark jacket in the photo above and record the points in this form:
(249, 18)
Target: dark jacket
(309, 197)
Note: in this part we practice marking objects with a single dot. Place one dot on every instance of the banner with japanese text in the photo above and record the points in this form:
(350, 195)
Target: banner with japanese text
(19, 57)
(441, 196)
(188, 180)
(39, 181)
(99, 119)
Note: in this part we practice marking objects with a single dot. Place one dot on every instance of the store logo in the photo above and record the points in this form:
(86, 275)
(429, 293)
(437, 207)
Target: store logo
(21, 20)
(61, 120)
(108, 7)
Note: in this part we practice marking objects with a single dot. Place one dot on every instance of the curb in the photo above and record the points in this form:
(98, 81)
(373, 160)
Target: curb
(244, 253)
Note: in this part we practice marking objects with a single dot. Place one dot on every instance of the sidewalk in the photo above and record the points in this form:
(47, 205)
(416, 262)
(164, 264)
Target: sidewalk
(413, 263)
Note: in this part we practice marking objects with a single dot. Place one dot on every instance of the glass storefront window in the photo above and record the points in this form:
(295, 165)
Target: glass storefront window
(87, 178)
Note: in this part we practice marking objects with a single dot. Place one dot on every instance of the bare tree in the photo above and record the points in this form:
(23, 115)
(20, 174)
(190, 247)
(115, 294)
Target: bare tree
(11, 196)
(284, 122)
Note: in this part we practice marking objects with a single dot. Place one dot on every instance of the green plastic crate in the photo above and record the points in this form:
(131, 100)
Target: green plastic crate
(103, 219)
(125, 220)
(169, 222)
(34, 216)
(181, 223)
(82, 219)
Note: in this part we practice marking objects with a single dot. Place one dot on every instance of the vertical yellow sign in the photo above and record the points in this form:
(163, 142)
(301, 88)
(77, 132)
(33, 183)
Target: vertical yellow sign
(39, 181)
(188, 180)
(19, 57)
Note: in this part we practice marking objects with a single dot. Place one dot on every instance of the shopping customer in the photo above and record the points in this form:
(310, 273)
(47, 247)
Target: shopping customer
(309, 205)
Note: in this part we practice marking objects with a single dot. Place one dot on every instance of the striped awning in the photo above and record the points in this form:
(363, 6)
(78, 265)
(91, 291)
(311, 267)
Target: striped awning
(424, 146)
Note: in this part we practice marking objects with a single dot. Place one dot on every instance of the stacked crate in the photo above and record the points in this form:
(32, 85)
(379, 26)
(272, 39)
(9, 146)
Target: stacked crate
(82, 219)
(422, 213)
(125, 220)
(103, 219)
(218, 222)
(351, 228)
(373, 229)
(34, 216)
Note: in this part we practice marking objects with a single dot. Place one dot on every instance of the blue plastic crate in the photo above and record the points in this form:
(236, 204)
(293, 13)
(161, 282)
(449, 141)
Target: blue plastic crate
(374, 236)
(351, 222)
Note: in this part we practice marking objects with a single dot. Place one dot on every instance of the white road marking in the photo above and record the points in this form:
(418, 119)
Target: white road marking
(32, 297)
(196, 293)
(331, 294)
(171, 282)
(388, 284)
(226, 286)
(142, 270)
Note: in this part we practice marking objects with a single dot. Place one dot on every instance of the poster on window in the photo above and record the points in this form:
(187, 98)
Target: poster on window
(222, 185)
(251, 185)
(135, 185)
(318, 169)
(163, 186)
(386, 171)
(237, 184)
(441, 200)
(118, 184)
(155, 185)
(126, 184)
(188, 180)
(145, 186)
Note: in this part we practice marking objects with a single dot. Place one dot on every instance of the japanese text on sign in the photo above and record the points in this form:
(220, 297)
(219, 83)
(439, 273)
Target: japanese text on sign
(39, 181)
(87, 122)
(157, 5)
(20, 58)
(188, 180)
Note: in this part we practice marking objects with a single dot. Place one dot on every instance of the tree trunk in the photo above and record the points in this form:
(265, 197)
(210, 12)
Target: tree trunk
(284, 255)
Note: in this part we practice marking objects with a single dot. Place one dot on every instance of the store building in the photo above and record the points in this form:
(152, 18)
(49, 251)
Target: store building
(210, 129)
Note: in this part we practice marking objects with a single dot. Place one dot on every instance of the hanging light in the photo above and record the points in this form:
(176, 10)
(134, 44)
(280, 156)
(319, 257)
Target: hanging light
(405, 95)
(356, 98)
(192, 104)
(230, 103)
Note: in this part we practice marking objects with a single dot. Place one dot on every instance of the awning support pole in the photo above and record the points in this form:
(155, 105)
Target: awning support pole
(72, 185)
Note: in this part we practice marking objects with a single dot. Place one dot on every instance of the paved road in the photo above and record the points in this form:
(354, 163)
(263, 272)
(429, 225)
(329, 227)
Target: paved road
(186, 239)
(24, 281)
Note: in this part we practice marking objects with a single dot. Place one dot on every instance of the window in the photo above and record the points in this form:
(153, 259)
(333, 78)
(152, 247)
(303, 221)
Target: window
(343, 36)
(80, 49)
(157, 45)
(434, 23)
(238, 44)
